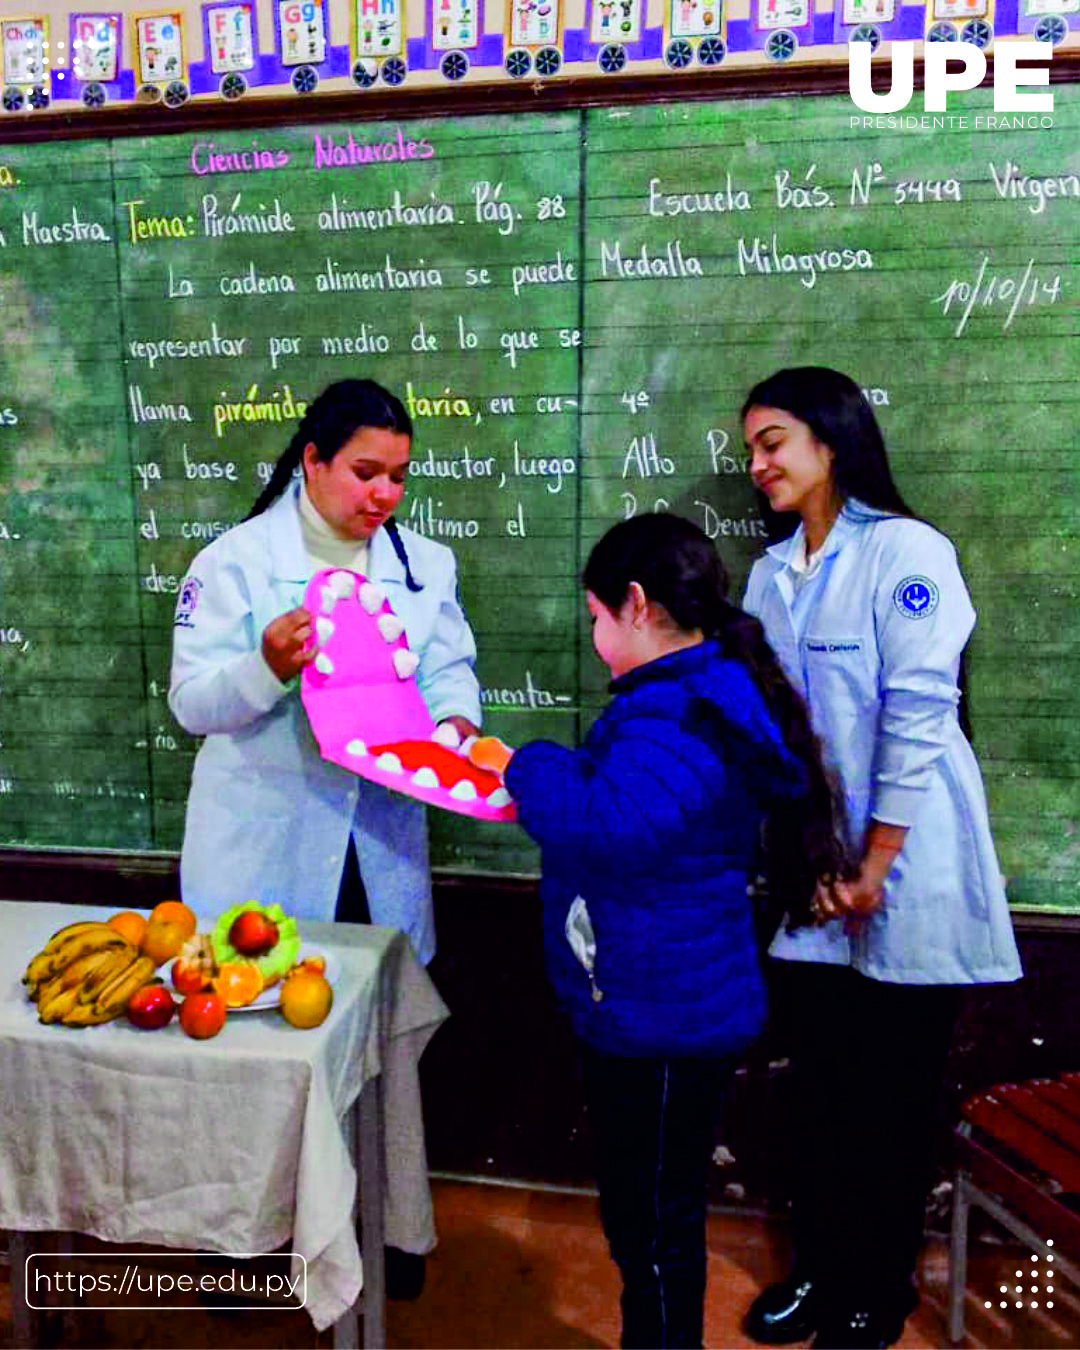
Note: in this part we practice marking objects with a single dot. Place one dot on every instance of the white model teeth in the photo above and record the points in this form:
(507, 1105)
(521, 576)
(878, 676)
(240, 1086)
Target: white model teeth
(341, 583)
(323, 664)
(390, 626)
(357, 748)
(500, 797)
(466, 745)
(465, 791)
(389, 763)
(329, 599)
(426, 777)
(405, 662)
(447, 734)
(324, 629)
(371, 597)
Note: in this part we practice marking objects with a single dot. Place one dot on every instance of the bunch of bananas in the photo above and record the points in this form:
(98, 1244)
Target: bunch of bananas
(85, 974)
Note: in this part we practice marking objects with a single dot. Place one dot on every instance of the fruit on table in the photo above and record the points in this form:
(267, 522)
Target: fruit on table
(238, 983)
(130, 925)
(163, 940)
(202, 1015)
(312, 963)
(252, 933)
(85, 974)
(306, 998)
(175, 911)
(194, 969)
(151, 1007)
(272, 964)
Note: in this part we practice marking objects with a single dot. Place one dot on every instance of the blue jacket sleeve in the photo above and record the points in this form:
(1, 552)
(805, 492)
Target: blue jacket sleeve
(628, 811)
(923, 617)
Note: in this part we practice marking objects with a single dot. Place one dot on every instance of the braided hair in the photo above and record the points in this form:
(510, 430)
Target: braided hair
(678, 568)
(341, 410)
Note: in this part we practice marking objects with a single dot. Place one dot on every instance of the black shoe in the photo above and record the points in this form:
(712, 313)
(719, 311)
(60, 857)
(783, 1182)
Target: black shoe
(405, 1273)
(871, 1328)
(785, 1312)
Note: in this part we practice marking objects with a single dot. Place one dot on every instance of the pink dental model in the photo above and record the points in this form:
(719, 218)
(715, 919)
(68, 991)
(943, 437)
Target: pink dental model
(366, 709)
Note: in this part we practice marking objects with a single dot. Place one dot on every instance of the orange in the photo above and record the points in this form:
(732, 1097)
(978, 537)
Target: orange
(238, 983)
(175, 911)
(162, 941)
(130, 925)
(306, 998)
(490, 753)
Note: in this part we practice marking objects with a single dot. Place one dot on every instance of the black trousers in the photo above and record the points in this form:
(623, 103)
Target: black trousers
(868, 1060)
(352, 903)
(653, 1122)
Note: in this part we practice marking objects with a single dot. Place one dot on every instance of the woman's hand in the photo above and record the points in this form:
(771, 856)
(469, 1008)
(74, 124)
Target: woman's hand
(287, 645)
(855, 900)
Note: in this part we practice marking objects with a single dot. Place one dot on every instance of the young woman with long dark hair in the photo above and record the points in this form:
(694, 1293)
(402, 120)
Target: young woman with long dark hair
(869, 615)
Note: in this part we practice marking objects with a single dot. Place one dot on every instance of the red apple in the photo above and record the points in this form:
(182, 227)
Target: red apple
(202, 1015)
(151, 1007)
(253, 933)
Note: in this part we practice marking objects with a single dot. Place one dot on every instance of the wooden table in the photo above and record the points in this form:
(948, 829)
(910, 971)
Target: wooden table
(237, 1144)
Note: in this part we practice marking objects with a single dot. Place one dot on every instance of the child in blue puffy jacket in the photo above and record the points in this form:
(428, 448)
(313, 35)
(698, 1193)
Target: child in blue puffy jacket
(649, 833)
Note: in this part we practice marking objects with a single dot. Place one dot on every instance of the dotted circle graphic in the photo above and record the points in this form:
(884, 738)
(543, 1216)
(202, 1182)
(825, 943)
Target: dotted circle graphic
(1033, 1274)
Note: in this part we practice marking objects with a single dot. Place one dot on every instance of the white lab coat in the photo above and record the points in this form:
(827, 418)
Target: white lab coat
(268, 818)
(873, 643)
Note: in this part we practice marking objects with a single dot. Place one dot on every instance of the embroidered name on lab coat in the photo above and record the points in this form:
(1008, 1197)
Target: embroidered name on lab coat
(839, 645)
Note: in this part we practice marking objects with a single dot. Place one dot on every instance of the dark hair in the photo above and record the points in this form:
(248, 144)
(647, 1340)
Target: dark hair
(333, 418)
(836, 410)
(678, 567)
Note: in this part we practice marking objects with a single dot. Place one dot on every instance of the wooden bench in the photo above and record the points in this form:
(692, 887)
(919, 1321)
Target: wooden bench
(1018, 1158)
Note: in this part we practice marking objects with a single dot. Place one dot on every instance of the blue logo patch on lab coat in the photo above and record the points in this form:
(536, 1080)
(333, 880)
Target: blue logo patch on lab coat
(185, 606)
(916, 597)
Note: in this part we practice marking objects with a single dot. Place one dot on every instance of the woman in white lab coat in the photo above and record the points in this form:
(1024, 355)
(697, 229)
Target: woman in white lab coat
(268, 819)
(869, 615)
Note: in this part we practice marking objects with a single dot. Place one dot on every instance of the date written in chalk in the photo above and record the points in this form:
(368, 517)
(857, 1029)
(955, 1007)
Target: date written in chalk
(1009, 294)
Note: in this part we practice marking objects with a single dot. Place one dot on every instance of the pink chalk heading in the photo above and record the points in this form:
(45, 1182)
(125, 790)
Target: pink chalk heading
(366, 709)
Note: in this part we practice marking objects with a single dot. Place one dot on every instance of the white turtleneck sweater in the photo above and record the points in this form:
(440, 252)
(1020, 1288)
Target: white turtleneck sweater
(324, 546)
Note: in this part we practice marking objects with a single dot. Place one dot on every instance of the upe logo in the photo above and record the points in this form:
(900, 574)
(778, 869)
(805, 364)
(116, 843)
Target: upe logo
(939, 80)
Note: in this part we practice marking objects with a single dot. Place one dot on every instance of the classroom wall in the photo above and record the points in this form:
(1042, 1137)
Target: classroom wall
(501, 1097)
(236, 51)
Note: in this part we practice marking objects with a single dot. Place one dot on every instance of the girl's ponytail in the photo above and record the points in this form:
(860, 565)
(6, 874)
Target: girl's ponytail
(806, 839)
(678, 567)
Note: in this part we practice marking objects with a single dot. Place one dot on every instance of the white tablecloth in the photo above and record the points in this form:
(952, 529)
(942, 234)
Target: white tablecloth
(234, 1144)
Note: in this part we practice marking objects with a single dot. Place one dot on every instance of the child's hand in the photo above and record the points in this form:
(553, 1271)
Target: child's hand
(490, 753)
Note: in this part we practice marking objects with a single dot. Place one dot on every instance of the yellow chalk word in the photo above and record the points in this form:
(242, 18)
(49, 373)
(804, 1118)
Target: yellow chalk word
(141, 228)
(444, 406)
(280, 406)
(7, 178)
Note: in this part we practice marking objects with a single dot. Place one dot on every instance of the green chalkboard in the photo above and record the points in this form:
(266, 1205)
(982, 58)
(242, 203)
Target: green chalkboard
(574, 304)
